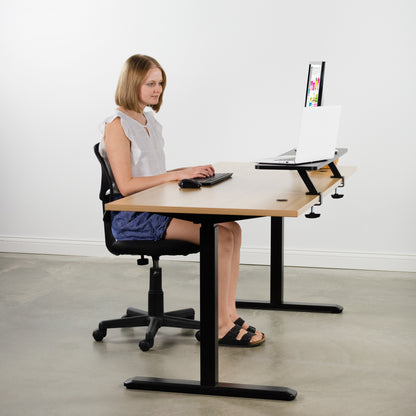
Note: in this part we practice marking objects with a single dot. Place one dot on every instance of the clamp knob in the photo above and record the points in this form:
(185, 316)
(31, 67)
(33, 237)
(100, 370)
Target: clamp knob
(336, 195)
(312, 215)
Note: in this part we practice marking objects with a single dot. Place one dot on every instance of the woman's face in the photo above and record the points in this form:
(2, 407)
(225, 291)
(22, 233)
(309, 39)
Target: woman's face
(151, 88)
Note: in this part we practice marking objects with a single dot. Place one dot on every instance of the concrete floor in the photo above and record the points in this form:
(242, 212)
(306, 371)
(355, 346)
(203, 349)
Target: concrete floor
(361, 362)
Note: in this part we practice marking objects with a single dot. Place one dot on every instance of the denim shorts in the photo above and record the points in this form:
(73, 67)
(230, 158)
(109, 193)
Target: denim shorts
(127, 225)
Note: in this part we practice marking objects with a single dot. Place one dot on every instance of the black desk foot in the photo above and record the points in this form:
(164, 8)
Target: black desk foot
(290, 306)
(220, 389)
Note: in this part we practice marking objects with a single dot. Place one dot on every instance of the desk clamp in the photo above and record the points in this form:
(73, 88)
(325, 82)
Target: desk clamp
(313, 191)
(313, 214)
(336, 195)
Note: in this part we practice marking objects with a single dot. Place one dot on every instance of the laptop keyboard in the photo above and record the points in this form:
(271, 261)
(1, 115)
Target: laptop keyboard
(216, 178)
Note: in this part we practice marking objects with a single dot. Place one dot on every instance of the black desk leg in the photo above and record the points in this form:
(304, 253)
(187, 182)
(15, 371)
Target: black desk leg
(209, 345)
(277, 280)
(209, 304)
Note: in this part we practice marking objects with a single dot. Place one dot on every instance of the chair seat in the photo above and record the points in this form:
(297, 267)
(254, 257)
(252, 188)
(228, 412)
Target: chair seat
(154, 248)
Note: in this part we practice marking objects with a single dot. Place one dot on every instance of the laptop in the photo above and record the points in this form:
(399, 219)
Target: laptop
(317, 138)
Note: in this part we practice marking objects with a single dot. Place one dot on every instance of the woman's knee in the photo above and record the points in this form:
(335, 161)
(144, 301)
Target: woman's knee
(225, 237)
(235, 229)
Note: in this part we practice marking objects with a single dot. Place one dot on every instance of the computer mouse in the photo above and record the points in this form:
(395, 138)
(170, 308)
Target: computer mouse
(189, 183)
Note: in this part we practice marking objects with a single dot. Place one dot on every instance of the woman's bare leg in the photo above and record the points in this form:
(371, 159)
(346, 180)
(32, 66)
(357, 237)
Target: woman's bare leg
(229, 243)
(236, 230)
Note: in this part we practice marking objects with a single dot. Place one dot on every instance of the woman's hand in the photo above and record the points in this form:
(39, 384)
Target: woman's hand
(203, 171)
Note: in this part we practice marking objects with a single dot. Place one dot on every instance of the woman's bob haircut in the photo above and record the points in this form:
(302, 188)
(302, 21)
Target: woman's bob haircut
(131, 77)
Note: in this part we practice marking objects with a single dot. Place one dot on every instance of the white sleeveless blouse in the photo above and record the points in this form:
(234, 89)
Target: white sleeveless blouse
(147, 155)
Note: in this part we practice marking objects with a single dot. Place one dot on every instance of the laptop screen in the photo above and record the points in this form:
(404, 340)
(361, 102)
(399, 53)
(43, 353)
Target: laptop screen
(315, 84)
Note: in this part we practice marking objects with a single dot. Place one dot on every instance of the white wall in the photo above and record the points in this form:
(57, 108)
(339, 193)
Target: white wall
(236, 76)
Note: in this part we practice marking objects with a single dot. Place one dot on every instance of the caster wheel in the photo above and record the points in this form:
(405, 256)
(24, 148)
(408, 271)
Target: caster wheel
(145, 345)
(99, 334)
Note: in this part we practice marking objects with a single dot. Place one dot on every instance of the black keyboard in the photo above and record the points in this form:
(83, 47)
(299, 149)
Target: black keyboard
(216, 178)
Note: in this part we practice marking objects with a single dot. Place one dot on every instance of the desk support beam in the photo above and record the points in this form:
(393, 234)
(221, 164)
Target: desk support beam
(335, 171)
(307, 181)
(209, 384)
(277, 280)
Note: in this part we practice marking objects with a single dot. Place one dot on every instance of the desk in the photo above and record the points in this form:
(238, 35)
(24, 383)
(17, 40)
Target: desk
(250, 193)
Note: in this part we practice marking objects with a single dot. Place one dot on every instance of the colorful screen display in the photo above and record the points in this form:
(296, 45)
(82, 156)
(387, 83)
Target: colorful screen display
(314, 87)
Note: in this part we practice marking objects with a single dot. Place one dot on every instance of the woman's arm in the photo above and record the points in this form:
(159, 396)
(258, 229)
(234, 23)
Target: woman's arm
(118, 150)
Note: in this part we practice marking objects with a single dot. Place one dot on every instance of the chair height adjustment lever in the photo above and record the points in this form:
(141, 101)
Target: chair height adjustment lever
(143, 261)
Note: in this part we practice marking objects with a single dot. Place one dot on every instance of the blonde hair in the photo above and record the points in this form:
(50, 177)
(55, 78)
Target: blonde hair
(131, 77)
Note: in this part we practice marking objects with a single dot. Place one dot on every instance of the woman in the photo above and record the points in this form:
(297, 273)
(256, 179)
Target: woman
(132, 145)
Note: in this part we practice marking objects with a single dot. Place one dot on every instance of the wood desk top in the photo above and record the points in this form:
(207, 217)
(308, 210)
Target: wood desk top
(250, 192)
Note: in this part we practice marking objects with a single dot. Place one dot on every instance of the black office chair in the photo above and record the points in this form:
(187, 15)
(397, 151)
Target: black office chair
(155, 317)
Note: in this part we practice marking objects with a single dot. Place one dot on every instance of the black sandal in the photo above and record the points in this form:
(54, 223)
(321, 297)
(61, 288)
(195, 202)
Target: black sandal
(230, 338)
(239, 321)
